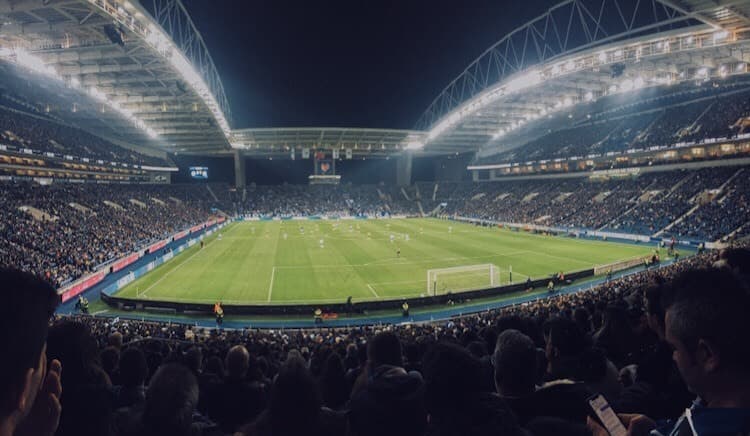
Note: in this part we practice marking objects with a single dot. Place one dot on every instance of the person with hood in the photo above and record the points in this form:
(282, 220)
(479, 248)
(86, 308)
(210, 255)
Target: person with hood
(391, 401)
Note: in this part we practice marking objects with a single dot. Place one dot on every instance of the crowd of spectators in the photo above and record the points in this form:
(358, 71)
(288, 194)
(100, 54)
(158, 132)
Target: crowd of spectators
(645, 205)
(27, 131)
(658, 117)
(526, 369)
(63, 231)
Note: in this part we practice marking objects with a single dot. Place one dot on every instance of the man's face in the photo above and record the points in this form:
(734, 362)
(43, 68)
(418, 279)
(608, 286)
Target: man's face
(686, 363)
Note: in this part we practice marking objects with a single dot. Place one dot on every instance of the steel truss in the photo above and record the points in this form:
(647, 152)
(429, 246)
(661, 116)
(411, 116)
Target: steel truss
(570, 27)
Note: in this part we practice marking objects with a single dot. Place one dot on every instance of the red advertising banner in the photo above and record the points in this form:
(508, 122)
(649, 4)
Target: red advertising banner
(210, 222)
(220, 220)
(197, 228)
(82, 285)
(159, 245)
(125, 261)
(180, 235)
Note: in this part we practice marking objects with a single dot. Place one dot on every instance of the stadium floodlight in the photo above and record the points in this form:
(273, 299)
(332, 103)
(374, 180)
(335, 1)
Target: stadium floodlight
(626, 85)
(602, 57)
(415, 145)
(588, 96)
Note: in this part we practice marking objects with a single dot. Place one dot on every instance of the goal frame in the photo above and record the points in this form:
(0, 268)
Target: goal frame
(432, 275)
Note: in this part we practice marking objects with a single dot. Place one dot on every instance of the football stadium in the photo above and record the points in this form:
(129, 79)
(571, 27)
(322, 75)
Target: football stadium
(375, 218)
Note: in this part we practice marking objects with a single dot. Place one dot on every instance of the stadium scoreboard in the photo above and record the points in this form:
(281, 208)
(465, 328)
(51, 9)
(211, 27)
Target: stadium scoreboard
(199, 173)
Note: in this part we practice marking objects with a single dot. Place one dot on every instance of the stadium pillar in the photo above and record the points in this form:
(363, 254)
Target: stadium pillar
(239, 169)
(403, 169)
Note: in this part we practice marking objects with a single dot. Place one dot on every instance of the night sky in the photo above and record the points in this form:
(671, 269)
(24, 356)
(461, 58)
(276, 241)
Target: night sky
(354, 63)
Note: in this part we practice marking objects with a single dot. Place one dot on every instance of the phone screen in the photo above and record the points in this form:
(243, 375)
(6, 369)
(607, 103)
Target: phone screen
(607, 416)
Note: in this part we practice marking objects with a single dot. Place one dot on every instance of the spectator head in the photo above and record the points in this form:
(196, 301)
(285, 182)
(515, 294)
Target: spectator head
(23, 332)
(194, 359)
(452, 376)
(295, 401)
(73, 344)
(115, 340)
(110, 357)
(171, 398)
(133, 367)
(707, 325)
(737, 260)
(384, 349)
(237, 362)
(515, 362)
(563, 339)
(214, 365)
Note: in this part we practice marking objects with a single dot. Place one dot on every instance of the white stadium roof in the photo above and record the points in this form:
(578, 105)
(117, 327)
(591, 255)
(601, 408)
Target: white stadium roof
(148, 79)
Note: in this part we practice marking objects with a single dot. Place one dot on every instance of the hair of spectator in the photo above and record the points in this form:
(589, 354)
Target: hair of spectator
(171, 398)
(384, 349)
(30, 302)
(711, 305)
(515, 361)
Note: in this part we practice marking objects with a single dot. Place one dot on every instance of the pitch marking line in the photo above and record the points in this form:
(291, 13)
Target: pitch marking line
(373, 291)
(270, 286)
(192, 256)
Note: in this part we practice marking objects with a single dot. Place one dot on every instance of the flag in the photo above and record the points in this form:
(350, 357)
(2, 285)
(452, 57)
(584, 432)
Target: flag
(291, 153)
(335, 153)
(306, 153)
(348, 153)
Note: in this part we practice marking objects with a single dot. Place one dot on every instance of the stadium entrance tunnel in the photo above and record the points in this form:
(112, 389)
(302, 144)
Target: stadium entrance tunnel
(165, 306)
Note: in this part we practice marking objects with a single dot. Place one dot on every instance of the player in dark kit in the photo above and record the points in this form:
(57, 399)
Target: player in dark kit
(398, 252)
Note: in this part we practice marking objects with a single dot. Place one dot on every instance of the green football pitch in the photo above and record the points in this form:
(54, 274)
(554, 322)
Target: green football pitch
(288, 262)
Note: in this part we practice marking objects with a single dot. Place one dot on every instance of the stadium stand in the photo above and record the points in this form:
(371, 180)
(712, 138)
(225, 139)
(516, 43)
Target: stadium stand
(24, 130)
(662, 117)
(63, 231)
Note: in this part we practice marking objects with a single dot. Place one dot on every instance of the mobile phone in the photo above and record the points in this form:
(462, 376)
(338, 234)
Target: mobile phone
(607, 416)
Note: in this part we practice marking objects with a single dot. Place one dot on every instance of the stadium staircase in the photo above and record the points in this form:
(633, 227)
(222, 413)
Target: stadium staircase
(138, 203)
(211, 191)
(434, 192)
(437, 210)
(38, 214)
(694, 126)
(81, 208)
(692, 210)
(421, 210)
(113, 205)
(406, 196)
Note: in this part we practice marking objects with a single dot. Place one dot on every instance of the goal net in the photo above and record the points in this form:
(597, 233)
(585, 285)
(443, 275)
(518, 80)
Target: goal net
(462, 278)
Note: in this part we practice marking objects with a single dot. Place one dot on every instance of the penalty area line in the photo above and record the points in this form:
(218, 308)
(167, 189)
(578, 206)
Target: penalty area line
(373, 291)
(270, 286)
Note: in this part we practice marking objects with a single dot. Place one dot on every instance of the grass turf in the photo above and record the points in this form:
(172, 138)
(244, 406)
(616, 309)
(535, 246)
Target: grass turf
(283, 262)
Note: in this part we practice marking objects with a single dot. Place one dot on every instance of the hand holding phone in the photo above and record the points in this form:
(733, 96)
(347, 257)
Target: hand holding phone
(607, 416)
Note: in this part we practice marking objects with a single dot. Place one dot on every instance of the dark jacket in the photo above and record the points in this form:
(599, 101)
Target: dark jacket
(391, 403)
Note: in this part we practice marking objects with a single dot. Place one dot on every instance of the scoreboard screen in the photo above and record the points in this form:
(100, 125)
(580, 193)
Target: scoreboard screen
(200, 173)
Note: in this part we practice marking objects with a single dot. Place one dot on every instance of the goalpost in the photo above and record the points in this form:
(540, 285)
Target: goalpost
(462, 278)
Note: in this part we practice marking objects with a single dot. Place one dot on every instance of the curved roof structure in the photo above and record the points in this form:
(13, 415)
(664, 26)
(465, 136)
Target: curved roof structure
(148, 77)
(578, 51)
(142, 75)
